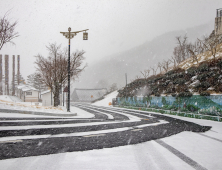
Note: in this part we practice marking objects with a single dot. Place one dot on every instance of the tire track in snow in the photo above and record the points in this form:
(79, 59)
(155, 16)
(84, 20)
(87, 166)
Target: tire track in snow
(182, 156)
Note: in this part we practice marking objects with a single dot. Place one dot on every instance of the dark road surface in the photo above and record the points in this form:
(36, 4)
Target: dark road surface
(111, 127)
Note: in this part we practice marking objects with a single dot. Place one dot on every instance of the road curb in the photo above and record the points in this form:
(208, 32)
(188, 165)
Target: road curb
(37, 113)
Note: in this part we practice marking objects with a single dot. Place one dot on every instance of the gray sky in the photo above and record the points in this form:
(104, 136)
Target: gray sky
(114, 25)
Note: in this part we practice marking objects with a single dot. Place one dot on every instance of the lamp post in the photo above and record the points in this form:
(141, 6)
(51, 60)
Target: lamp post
(69, 35)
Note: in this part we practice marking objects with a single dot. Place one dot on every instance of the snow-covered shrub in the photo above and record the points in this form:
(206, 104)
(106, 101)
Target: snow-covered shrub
(174, 94)
(219, 64)
(202, 77)
(157, 94)
(204, 93)
(218, 88)
(170, 72)
(165, 84)
(173, 76)
(185, 94)
(177, 70)
(193, 78)
(210, 74)
(203, 67)
(181, 74)
(159, 77)
(179, 81)
(191, 71)
(202, 86)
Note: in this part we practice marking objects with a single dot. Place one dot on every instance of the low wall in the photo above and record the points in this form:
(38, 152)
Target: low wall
(202, 102)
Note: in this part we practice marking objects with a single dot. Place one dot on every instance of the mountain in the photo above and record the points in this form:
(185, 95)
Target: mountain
(112, 69)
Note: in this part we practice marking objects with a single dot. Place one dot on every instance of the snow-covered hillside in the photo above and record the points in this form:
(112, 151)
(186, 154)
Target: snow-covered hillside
(108, 98)
(188, 78)
(186, 64)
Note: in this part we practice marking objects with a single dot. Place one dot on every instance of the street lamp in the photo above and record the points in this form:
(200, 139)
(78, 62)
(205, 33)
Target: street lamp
(85, 36)
(69, 35)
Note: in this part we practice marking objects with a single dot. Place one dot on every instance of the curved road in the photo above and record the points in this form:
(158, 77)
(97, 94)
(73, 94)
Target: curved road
(110, 127)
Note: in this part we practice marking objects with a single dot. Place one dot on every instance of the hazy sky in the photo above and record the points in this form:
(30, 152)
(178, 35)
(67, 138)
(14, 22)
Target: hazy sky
(114, 25)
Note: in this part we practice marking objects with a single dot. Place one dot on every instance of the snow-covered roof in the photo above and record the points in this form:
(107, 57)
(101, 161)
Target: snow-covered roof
(21, 86)
(44, 92)
(29, 89)
(25, 87)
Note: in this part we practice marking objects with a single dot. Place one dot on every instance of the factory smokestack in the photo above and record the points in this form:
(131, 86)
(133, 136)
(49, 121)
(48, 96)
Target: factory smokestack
(13, 75)
(6, 75)
(18, 71)
(1, 75)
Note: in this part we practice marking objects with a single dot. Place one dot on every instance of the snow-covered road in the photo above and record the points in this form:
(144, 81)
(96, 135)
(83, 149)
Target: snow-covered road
(185, 150)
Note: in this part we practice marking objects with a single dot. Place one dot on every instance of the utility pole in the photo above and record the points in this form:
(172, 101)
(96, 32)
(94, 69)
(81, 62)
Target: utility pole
(18, 69)
(69, 35)
(126, 81)
(126, 77)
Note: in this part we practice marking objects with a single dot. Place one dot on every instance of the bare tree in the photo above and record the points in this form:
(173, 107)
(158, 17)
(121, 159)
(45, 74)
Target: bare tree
(182, 42)
(211, 44)
(181, 52)
(145, 73)
(154, 70)
(166, 65)
(7, 30)
(174, 61)
(53, 69)
(176, 53)
(137, 77)
(194, 50)
(160, 66)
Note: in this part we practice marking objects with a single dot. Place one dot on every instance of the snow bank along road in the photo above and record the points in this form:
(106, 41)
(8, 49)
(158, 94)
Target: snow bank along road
(110, 127)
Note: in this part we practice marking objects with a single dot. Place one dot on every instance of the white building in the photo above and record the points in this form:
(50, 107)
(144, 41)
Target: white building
(48, 98)
(27, 93)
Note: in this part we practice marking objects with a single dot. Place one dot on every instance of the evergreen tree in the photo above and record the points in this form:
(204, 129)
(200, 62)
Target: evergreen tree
(35, 80)
(21, 81)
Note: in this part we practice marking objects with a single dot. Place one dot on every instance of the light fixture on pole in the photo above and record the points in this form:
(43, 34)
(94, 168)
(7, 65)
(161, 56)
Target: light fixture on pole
(69, 35)
(85, 35)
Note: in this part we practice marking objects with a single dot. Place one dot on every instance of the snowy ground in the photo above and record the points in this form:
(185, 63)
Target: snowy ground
(80, 114)
(106, 100)
(13, 103)
(202, 150)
